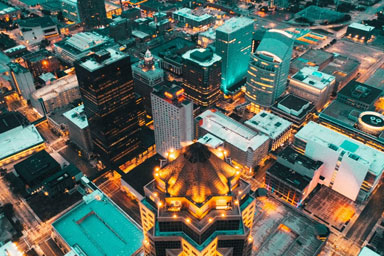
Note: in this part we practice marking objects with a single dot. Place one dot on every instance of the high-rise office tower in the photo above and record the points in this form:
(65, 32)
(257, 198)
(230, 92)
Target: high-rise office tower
(172, 118)
(92, 13)
(146, 75)
(269, 68)
(106, 86)
(233, 44)
(197, 205)
(202, 76)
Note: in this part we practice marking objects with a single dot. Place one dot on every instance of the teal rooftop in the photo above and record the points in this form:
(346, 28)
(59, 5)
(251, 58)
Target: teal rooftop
(96, 227)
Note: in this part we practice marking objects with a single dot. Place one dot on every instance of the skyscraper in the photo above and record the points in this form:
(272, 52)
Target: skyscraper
(202, 76)
(269, 68)
(172, 118)
(233, 44)
(92, 13)
(146, 75)
(197, 205)
(106, 86)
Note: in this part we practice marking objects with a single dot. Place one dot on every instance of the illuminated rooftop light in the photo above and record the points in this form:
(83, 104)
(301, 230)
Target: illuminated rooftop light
(188, 220)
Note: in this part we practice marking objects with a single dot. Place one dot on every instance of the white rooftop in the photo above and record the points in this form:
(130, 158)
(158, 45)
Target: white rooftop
(361, 27)
(77, 116)
(211, 141)
(269, 124)
(367, 252)
(368, 156)
(86, 40)
(231, 131)
(58, 86)
(207, 63)
(313, 77)
(234, 24)
(19, 139)
(93, 65)
(188, 13)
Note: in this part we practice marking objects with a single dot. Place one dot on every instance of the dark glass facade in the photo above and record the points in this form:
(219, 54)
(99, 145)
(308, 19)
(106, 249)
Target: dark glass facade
(110, 105)
(92, 13)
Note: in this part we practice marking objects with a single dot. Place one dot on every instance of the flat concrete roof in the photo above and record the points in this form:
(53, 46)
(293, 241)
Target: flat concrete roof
(227, 129)
(368, 156)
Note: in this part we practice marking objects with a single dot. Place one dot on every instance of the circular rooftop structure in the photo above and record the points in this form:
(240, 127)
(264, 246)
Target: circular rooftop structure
(371, 122)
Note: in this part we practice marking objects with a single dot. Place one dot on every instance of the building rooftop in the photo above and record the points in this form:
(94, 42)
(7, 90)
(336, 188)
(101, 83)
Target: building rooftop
(360, 92)
(201, 56)
(276, 44)
(313, 57)
(10, 120)
(341, 67)
(43, 22)
(211, 141)
(234, 24)
(97, 227)
(289, 176)
(102, 58)
(142, 174)
(19, 139)
(86, 40)
(269, 124)
(361, 27)
(37, 167)
(58, 86)
(77, 116)
(174, 48)
(197, 173)
(362, 153)
(190, 14)
(313, 77)
(231, 131)
(293, 102)
(293, 157)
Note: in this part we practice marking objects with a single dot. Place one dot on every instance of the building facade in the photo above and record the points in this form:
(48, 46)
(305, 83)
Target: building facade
(146, 75)
(22, 80)
(209, 216)
(202, 76)
(269, 68)
(78, 128)
(346, 160)
(92, 13)
(233, 45)
(106, 86)
(57, 95)
(172, 119)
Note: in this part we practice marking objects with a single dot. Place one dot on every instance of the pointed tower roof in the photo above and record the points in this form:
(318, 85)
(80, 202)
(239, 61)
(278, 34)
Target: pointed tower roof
(198, 174)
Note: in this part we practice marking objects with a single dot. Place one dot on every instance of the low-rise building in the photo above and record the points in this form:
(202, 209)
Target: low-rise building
(312, 58)
(190, 18)
(78, 128)
(276, 128)
(244, 146)
(361, 32)
(95, 227)
(35, 30)
(293, 108)
(41, 61)
(57, 95)
(170, 54)
(18, 138)
(344, 68)
(293, 177)
(41, 172)
(312, 85)
(346, 160)
(80, 45)
(359, 95)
